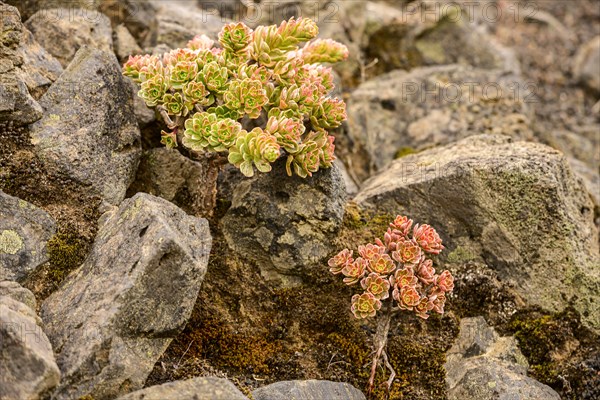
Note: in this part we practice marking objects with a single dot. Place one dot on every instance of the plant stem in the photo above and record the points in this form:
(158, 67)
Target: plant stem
(380, 344)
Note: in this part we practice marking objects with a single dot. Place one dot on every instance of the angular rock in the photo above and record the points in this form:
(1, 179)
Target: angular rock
(404, 112)
(484, 379)
(39, 68)
(28, 369)
(308, 390)
(137, 15)
(178, 23)
(24, 67)
(18, 293)
(117, 313)
(205, 388)
(285, 224)
(517, 207)
(586, 65)
(590, 179)
(16, 104)
(24, 234)
(89, 131)
(125, 44)
(481, 365)
(188, 184)
(63, 31)
(437, 34)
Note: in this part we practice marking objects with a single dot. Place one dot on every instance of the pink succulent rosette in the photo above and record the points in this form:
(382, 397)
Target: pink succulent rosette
(365, 305)
(446, 281)
(354, 271)
(376, 285)
(339, 261)
(427, 238)
(408, 253)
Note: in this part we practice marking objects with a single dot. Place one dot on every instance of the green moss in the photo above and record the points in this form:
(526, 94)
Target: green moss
(552, 343)
(10, 242)
(461, 255)
(66, 251)
(404, 151)
(236, 350)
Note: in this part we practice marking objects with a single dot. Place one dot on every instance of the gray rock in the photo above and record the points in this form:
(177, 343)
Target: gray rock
(586, 65)
(516, 207)
(192, 389)
(590, 179)
(476, 340)
(24, 234)
(409, 111)
(579, 145)
(63, 31)
(18, 293)
(89, 131)
(308, 390)
(179, 22)
(115, 315)
(285, 224)
(16, 104)
(188, 184)
(28, 369)
(436, 34)
(485, 379)
(481, 365)
(39, 68)
(24, 67)
(137, 15)
(125, 44)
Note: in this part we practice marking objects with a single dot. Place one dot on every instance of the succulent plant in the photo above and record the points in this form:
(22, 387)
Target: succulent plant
(398, 273)
(262, 80)
(398, 264)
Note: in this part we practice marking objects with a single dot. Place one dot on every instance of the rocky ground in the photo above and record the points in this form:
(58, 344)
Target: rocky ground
(120, 277)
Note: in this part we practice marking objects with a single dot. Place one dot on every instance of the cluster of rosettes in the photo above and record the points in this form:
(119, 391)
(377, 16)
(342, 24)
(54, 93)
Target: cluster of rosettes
(397, 266)
(208, 92)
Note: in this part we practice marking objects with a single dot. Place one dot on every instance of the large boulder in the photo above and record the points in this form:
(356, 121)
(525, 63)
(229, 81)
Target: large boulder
(308, 390)
(586, 65)
(89, 131)
(285, 224)
(192, 389)
(63, 31)
(515, 206)
(24, 234)
(188, 184)
(481, 365)
(117, 313)
(28, 369)
(404, 112)
(26, 70)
